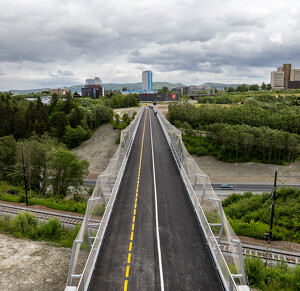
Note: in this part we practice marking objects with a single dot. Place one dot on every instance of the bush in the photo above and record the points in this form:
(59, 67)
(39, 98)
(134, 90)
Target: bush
(255, 270)
(278, 277)
(24, 224)
(51, 230)
(250, 214)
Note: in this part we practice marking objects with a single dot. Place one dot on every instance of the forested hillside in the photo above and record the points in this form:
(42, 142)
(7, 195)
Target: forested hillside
(262, 128)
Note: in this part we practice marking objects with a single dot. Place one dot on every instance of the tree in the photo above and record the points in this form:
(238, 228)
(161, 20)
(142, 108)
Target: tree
(230, 90)
(254, 87)
(66, 171)
(164, 90)
(61, 124)
(269, 87)
(263, 86)
(8, 147)
(76, 95)
(242, 88)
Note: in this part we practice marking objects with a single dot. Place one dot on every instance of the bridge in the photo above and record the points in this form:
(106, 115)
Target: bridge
(163, 223)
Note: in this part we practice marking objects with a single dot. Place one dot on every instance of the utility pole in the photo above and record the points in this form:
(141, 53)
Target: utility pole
(268, 236)
(24, 175)
(272, 207)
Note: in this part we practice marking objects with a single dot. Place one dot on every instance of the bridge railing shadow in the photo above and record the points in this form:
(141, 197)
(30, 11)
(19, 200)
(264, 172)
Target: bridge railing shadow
(209, 211)
(91, 234)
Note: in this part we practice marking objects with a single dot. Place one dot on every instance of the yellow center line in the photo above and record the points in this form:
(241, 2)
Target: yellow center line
(127, 271)
(134, 211)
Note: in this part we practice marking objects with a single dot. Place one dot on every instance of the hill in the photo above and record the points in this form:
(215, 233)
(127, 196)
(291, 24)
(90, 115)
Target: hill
(107, 86)
(220, 86)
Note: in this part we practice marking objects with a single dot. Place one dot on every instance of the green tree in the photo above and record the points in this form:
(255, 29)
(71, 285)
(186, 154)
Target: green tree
(263, 86)
(254, 87)
(61, 124)
(242, 88)
(66, 171)
(230, 90)
(8, 147)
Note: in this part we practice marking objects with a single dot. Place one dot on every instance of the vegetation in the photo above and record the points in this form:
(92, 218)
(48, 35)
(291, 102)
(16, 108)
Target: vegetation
(249, 214)
(278, 277)
(258, 127)
(26, 225)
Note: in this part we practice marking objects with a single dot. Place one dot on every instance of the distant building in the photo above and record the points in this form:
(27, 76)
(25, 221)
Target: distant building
(193, 90)
(277, 80)
(147, 81)
(295, 75)
(182, 90)
(59, 91)
(287, 74)
(93, 88)
(285, 78)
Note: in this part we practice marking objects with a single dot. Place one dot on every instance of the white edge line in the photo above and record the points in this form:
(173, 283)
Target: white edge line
(156, 214)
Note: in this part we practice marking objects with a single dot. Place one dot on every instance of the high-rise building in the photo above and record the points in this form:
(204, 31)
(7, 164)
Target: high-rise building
(147, 81)
(287, 73)
(277, 80)
(93, 88)
(295, 75)
(285, 78)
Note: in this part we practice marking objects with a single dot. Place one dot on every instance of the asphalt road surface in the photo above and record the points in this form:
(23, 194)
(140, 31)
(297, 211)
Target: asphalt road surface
(153, 241)
(236, 187)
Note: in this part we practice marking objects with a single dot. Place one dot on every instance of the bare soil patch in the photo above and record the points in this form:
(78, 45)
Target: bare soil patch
(221, 172)
(29, 265)
(99, 149)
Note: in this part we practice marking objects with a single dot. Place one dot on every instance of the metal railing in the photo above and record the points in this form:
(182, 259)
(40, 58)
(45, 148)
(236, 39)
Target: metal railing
(105, 192)
(208, 209)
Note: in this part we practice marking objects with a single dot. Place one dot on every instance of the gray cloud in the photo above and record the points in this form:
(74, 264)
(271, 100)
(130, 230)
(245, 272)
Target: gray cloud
(190, 41)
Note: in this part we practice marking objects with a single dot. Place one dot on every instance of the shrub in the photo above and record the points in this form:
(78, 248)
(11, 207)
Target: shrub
(50, 230)
(255, 270)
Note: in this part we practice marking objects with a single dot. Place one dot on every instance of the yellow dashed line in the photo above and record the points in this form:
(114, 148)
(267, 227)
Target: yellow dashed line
(129, 258)
(125, 285)
(127, 271)
(134, 211)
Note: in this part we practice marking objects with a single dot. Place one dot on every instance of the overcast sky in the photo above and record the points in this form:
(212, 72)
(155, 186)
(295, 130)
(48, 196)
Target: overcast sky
(54, 43)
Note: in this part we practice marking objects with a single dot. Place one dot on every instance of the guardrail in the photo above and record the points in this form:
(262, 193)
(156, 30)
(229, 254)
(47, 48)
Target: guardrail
(105, 191)
(209, 211)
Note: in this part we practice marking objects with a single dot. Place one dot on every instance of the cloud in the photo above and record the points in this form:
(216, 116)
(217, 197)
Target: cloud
(56, 41)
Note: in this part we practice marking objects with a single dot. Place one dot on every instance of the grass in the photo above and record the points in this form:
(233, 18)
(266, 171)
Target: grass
(50, 202)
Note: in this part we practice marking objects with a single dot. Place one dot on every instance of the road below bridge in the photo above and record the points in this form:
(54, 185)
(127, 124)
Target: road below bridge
(153, 241)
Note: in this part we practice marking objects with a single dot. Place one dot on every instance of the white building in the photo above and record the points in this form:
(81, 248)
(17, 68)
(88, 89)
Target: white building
(295, 75)
(147, 81)
(277, 79)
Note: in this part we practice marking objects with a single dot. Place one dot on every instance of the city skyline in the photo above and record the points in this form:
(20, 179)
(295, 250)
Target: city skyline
(61, 43)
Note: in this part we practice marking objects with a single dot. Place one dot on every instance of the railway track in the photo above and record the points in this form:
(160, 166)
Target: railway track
(67, 219)
(291, 258)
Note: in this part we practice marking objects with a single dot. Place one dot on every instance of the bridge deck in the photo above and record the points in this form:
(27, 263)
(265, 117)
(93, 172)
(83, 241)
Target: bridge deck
(129, 255)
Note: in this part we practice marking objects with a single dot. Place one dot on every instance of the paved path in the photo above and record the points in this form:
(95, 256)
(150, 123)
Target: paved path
(140, 254)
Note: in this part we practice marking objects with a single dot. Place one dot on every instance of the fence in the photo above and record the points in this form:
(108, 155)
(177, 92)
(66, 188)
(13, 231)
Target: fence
(91, 234)
(209, 211)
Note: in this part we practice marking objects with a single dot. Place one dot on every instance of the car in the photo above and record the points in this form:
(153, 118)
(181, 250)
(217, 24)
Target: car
(226, 186)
